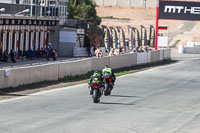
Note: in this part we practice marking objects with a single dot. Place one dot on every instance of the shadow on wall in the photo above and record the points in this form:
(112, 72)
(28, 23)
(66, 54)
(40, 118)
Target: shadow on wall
(96, 37)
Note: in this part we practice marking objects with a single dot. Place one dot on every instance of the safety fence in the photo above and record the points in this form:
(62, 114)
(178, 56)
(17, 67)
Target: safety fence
(13, 77)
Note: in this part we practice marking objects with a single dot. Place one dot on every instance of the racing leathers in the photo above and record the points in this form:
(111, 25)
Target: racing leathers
(109, 71)
(96, 77)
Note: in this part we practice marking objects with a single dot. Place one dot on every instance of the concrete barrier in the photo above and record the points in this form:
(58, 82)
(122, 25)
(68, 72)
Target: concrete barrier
(3, 80)
(130, 3)
(192, 50)
(26, 75)
(161, 55)
(123, 3)
(125, 60)
(74, 67)
(143, 58)
(109, 2)
(167, 54)
(99, 63)
(155, 56)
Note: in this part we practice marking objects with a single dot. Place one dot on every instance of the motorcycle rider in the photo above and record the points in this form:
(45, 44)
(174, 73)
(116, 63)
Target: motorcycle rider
(48, 50)
(108, 70)
(96, 77)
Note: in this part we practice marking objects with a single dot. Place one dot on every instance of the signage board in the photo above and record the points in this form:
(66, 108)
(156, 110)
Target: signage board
(28, 22)
(179, 10)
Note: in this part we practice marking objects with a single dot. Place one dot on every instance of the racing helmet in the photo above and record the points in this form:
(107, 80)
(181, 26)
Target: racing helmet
(106, 66)
(95, 72)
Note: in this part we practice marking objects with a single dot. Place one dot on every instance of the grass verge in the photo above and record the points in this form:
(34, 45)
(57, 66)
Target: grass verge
(111, 17)
(23, 90)
(174, 45)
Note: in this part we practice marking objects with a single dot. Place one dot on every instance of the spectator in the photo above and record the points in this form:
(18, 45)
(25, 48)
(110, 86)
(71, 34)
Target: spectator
(87, 44)
(98, 52)
(111, 53)
(134, 50)
(116, 52)
(121, 50)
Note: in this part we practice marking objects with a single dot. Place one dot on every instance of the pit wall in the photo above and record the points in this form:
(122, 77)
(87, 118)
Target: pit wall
(26, 75)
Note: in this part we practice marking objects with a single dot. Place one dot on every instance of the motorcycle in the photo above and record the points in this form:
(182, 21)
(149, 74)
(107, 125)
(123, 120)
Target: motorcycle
(52, 54)
(108, 84)
(96, 92)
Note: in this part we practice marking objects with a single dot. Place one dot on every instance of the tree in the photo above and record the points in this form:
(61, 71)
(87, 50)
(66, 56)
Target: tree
(83, 9)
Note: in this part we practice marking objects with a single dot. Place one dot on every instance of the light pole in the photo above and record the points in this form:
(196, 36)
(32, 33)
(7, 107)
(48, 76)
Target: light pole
(2, 10)
(24, 11)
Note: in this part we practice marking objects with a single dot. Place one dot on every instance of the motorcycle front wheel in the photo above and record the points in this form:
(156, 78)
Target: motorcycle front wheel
(54, 57)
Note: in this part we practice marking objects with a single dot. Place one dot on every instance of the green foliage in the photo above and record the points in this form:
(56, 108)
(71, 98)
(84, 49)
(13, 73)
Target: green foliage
(174, 45)
(83, 9)
(111, 17)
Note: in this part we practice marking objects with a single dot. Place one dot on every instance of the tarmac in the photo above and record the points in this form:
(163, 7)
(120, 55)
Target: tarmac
(36, 61)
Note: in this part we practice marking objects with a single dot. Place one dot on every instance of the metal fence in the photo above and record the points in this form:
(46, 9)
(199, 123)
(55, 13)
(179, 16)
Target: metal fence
(33, 10)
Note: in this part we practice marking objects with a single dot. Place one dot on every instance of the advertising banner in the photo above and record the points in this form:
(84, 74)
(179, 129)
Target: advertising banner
(121, 38)
(143, 36)
(180, 10)
(130, 38)
(106, 37)
(152, 36)
(113, 37)
(136, 37)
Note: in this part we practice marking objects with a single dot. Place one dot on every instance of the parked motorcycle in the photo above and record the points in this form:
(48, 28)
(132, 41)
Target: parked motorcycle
(52, 54)
(108, 84)
(96, 92)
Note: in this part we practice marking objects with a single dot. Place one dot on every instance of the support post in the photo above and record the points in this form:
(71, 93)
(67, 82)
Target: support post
(156, 39)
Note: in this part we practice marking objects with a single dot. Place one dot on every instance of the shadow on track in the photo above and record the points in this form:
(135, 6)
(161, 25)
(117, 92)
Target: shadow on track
(116, 103)
(9, 94)
(123, 96)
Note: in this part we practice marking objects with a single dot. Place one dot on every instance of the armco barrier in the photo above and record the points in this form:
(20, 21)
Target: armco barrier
(26, 75)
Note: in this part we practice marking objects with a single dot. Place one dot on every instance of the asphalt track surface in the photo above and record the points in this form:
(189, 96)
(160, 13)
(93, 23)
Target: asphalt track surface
(159, 100)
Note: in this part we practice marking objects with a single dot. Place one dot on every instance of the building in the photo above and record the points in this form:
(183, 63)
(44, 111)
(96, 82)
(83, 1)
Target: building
(30, 24)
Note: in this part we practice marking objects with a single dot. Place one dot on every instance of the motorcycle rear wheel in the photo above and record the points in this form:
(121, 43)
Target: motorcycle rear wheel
(106, 90)
(95, 96)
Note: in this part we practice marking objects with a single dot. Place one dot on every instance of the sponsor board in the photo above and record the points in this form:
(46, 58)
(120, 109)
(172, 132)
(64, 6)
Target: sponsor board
(180, 10)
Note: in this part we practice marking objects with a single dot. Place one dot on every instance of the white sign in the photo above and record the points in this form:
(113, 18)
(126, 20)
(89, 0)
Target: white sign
(80, 31)
(68, 36)
(182, 9)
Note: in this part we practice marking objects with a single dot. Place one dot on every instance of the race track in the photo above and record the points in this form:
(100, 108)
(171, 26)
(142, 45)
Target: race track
(160, 100)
